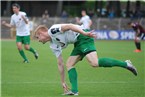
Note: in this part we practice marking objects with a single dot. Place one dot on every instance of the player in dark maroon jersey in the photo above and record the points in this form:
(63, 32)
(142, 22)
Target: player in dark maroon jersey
(139, 34)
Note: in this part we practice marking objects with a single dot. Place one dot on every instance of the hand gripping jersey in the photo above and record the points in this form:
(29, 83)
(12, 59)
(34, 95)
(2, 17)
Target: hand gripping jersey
(22, 29)
(61, 39)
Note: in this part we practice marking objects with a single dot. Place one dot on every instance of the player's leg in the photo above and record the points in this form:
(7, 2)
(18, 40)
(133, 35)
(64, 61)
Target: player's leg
(19, 46)
(109, 62)
(27, 46)
(103, 62)
(137, 44)
(71, 61)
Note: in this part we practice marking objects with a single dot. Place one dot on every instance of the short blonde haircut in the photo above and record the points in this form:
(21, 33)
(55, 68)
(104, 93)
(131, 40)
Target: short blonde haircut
(40, 27)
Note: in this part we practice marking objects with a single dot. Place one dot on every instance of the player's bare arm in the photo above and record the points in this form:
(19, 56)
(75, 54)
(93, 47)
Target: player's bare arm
(7, 24)
(23, 17)
(62, 73)
(61, 68)
(66, 27)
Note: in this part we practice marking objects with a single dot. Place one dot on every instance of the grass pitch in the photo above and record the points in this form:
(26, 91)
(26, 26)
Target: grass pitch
(40, 78)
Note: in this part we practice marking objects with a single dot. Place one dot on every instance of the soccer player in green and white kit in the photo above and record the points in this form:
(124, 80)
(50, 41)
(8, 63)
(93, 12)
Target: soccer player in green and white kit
(60, 35)
(85, 20)
(19, 20)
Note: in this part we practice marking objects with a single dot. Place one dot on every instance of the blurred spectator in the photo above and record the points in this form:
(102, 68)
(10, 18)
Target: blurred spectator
(138, 14)
(91, 13)
(64, 16)
(123, 13)
(135, 14)
(45, 17)
(103, 12)
(132, 14)
(111, 14)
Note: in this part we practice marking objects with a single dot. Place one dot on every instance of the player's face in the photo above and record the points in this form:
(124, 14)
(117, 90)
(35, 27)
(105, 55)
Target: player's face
(41, 37)
(83, 13)
(15, 9)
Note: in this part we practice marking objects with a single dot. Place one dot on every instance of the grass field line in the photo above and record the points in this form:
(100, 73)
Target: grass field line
(83, 82)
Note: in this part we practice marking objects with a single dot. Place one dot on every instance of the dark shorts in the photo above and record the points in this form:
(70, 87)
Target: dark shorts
(23, 39)
(83, 46)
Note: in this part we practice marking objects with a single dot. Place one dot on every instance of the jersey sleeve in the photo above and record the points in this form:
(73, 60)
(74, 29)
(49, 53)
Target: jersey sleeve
(56, 49)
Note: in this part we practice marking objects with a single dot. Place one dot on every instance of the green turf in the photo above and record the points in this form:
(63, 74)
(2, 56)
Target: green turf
(40, 78)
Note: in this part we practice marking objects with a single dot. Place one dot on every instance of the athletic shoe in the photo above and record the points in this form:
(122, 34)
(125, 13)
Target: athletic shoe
(71, 93)
(137, 50)
(25, 61)
(131, 67)
(36, 55)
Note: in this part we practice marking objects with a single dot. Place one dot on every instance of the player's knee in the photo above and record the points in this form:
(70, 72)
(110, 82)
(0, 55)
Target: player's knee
(27, 48)
(94, 64)
(19, 48)
(137, 39)
(68, 66)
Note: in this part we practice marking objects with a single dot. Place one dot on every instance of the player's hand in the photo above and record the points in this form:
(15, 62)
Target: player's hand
(4, 22)
(23, 16)
(65, 87)
(77, 19)
(91, 34)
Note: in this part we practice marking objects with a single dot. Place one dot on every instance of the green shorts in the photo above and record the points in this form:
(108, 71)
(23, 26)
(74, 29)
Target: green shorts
(83, 46)
(23, 39)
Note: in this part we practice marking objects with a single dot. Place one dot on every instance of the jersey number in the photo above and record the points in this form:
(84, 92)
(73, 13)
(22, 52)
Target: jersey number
(55, 30)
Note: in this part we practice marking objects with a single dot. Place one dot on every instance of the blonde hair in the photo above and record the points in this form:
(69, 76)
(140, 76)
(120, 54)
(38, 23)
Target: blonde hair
(40, 27)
